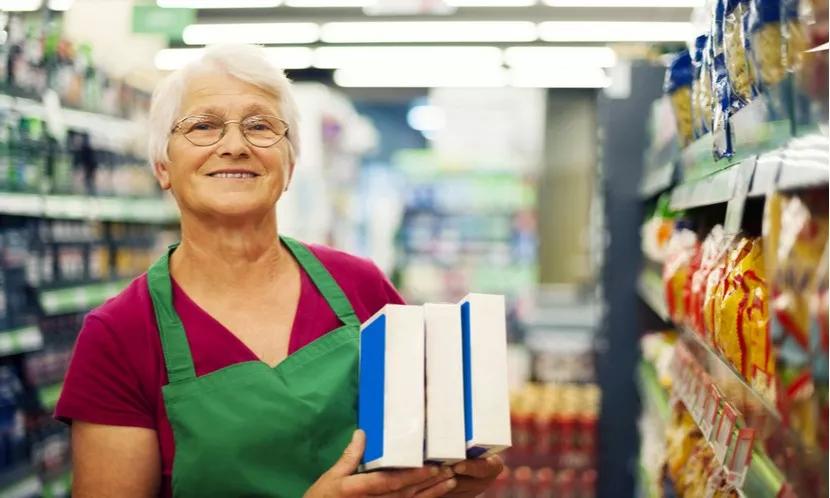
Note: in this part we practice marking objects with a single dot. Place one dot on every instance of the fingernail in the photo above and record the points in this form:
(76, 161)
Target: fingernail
(460, 468)
(448, 472)
(451, 483)
(433, 471)
(491, 460)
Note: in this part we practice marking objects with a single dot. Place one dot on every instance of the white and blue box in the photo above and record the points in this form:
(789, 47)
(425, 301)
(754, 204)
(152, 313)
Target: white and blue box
(444, 427)
(486, 398)
(391, 388)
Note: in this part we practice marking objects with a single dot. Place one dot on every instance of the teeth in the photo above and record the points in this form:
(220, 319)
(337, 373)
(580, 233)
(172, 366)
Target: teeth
(233, 175)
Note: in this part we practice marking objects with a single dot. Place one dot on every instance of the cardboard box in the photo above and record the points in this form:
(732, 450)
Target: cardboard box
(391, 389)
(444, 426)
(486, 398)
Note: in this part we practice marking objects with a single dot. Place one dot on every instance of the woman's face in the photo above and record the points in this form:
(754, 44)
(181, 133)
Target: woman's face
(194, 172)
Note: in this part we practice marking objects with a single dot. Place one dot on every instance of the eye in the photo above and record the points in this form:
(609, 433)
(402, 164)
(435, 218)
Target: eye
(202, 125)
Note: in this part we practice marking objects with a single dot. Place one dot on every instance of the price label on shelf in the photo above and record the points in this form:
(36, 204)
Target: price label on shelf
(740, 190)
(710, 411)
(724, 434)
(699, 399)
(741, 457)
(713, 484)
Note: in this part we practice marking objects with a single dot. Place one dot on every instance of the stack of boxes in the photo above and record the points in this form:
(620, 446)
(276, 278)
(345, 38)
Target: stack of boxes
(433, 383)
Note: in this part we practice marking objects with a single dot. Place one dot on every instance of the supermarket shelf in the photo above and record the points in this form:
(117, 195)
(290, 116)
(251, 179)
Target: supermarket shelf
(763, 478)
(657, 180)
(102, 128)
(20, 482)
(757, 411)
(79, 298)
(713, 189)
(20, 340)
(121, 209)
(650, 288)
(48, 395)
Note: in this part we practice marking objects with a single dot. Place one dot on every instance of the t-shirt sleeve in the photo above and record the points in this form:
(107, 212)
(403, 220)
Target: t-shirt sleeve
(100, 386)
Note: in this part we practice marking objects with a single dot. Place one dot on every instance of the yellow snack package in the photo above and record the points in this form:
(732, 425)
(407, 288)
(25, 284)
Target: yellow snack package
(678, 86)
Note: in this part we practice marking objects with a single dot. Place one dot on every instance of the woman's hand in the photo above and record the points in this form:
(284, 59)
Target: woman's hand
(341, 482)
(475, 476)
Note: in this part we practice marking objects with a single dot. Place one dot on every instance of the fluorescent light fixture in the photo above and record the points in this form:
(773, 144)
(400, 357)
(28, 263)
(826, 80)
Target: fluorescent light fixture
(627, 3)
(408, 56)
(559, 78)
(171, 59)
(281, 32)
(381, 78)
(426, 118)
(329, 3)
(490, 3)
(218, 4)
(20, 5)
(60, 5)
(428, 31)
(615, 31)
(564, 57)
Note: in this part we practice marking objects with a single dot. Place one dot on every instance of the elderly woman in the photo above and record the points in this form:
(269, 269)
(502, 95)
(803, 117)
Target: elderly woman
(229, 368)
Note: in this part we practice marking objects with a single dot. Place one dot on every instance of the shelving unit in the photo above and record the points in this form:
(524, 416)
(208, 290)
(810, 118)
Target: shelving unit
(76, 207)
(20, 340)
(78, 298)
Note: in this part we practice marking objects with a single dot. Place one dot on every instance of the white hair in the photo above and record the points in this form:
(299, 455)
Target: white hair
(248, 63)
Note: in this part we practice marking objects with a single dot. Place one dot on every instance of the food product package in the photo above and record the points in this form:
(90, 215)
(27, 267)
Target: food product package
(701, 107)
(765, 34)
(796, 229)
(741, 77)
(486, 398)
(656, 231)
(743, 318)
(712, 252)
(677, 270)
(678, 86)
(444, 427)
(721, 129)
(391, 387)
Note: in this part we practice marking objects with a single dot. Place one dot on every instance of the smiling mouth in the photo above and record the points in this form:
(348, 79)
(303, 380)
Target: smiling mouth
(234, 175)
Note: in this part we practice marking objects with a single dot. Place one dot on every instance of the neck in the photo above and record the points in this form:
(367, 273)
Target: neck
(246, 254)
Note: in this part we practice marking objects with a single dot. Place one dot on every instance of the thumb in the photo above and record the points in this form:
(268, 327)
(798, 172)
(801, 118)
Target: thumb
(350, 459)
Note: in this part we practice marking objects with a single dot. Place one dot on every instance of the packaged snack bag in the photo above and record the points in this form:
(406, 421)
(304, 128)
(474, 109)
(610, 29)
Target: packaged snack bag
(741, 76)
(657, 230)
(712, 251)
(720, 87)
(794, 34)
(701, 114)
(676, 270)
(765, 36)
(678, 86)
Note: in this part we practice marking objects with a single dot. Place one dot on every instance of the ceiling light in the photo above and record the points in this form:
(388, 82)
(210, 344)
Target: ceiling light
(329, 3)
(171, 59)
(373, 56)
(627, 3)
(20, 5)
(218, 4)
(560, 56)
(490, 3)
(282, 32)
(561, 78)
(380, 78)
(428, 31)
(60, 5)
(614, 31)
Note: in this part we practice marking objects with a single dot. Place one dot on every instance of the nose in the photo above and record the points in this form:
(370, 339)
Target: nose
(233, 143)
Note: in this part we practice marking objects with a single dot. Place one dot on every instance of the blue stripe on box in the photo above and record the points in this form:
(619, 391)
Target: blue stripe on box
(475, 452)
(370, 393)
(465, 354)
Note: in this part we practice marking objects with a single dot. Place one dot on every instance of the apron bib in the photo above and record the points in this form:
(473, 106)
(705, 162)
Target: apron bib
(249, 430)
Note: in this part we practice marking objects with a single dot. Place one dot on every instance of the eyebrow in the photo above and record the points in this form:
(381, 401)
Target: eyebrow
(222, 112)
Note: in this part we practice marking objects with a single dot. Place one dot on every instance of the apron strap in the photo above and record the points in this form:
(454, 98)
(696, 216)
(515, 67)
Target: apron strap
(321, 277)
(177, 355)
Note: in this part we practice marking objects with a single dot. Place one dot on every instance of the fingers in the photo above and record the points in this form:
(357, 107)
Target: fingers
(389, 481)
(437, 490)
(350, 459)
(480, 469)
(445, 474)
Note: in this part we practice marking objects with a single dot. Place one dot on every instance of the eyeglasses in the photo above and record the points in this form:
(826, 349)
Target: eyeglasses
(259, 131)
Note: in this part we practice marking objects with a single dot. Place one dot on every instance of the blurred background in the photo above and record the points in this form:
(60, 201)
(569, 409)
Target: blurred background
(645, 180)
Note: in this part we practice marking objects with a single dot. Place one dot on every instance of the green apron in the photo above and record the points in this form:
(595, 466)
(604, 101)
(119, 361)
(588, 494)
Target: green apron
(251, 430)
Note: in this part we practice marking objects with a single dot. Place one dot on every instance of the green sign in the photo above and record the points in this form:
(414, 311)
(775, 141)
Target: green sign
(153, 19)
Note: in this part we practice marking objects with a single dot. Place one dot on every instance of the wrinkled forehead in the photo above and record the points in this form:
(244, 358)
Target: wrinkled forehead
(226, 96)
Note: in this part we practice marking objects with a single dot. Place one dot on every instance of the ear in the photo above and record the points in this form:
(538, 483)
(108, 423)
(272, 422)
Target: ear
(162, 174)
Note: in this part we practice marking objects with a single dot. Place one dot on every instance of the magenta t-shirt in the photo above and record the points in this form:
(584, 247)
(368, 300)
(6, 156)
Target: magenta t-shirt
(117, 369)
